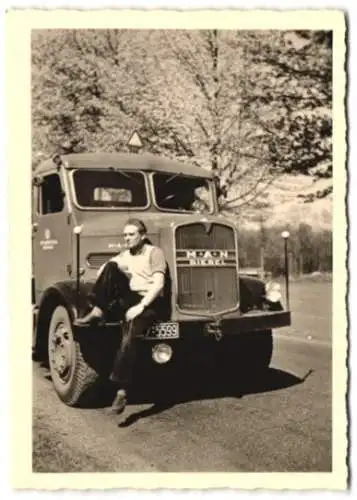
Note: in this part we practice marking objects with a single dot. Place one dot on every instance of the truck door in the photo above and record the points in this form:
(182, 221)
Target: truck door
(51, 234)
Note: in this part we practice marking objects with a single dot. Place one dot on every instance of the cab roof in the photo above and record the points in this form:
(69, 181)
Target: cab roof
(128, 161)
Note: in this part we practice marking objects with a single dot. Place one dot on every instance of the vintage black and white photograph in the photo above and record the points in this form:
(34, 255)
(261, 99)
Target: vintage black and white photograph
(183, 267)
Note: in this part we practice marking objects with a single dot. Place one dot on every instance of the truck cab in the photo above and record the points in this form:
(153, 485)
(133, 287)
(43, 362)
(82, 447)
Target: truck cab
(80, 205)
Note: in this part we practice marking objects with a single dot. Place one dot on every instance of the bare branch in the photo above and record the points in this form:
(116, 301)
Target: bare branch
(252, 188)
(286, 68)
(256, 192)
(202, 127)
(184, 146)
(185, 60)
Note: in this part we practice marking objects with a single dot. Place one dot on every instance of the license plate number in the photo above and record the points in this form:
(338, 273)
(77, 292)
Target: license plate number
(167, 330)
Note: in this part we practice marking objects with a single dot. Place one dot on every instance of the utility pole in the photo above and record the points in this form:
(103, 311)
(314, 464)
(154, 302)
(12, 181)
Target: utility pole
(286, 236)
(262, 247)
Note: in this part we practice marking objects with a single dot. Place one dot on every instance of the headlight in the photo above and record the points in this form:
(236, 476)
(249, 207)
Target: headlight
(273, 291)
(161, 353)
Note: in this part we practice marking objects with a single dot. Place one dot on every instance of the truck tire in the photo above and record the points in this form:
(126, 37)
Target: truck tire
(259, 347)
(72, 377)
(248, 352)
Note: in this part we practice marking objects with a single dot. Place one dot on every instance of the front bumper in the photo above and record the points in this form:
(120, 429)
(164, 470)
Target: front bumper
(251, 321)
(261, 320)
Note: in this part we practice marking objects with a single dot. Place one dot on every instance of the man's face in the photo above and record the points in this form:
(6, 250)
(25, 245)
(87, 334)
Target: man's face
(132, 237)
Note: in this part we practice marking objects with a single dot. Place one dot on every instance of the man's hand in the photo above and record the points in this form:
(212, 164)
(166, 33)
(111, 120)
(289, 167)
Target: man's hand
(134, 311)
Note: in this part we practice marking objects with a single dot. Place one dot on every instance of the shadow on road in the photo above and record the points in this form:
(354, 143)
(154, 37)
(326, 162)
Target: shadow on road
(195, 387)
(166, 389)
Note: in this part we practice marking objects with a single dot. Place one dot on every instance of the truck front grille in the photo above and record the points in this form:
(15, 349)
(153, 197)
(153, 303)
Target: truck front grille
(197, 236)
(206, 265)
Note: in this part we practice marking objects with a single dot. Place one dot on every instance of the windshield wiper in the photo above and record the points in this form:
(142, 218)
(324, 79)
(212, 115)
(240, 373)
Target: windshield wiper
(173, 177)
(125, 174)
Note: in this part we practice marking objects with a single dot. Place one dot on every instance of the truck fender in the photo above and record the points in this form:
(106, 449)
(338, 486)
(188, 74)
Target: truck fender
(252, 292)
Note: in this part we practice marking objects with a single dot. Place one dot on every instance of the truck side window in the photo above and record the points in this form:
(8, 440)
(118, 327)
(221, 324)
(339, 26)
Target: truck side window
(51, 195)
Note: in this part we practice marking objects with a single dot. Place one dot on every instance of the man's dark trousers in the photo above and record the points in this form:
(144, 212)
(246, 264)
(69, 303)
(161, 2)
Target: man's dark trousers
(112, 294)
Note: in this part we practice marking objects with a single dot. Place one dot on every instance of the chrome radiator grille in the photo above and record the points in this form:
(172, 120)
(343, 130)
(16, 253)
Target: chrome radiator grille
(206, 264)
(195, 236)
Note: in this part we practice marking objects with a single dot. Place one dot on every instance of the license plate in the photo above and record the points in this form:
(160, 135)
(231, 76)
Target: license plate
(167, 330)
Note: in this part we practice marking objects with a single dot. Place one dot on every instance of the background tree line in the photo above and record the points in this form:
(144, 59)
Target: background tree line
(309, 250)
(248, 105)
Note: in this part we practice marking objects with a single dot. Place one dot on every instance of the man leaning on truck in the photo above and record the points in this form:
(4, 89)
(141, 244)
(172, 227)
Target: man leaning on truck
(133, 283)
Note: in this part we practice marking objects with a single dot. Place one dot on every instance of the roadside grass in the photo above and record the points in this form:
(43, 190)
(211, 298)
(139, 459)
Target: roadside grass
(52, 453)
(318, 277)
(311, 309)
(302, 279)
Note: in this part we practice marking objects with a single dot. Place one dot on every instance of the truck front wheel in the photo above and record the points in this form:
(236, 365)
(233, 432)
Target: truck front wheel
(259, 348)
(248, 352)
(72, 377)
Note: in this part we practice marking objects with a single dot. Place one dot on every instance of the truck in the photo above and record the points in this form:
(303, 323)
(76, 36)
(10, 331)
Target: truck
(81, 202)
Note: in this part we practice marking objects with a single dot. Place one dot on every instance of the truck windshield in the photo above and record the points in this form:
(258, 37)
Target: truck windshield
(110, 189)
(183, 193)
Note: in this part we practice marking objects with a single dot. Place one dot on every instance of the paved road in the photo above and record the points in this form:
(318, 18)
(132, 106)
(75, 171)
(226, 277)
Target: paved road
(281, 422)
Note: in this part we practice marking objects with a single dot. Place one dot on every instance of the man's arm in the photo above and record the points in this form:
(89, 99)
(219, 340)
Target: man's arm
(155, 289)
(158, 267)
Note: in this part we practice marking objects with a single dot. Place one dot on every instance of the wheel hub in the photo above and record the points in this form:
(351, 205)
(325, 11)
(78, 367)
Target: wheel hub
(61, 351)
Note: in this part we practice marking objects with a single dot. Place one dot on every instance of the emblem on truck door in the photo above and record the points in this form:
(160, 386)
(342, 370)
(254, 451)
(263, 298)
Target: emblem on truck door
(47, 243)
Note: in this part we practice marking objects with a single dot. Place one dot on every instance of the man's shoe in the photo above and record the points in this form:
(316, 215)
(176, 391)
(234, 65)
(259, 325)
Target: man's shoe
(119, 403)
(89, 319)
